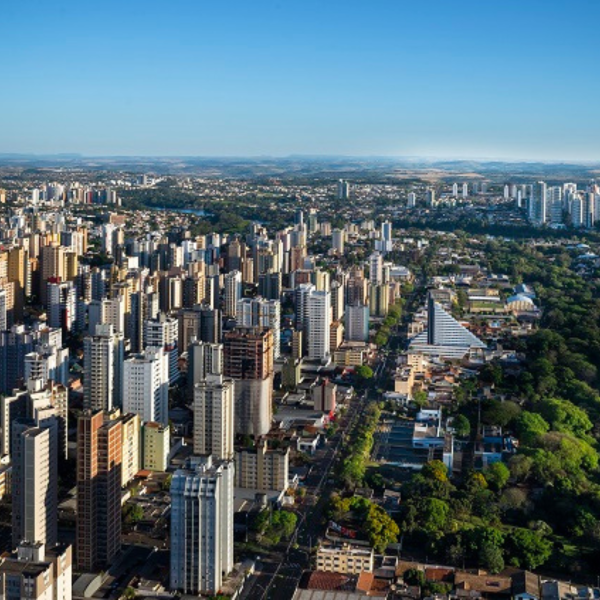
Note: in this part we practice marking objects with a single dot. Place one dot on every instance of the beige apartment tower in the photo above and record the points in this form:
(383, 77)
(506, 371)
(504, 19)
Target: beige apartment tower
(213, 417)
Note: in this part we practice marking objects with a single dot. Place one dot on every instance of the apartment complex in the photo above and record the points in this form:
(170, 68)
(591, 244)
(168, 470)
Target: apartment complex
(261, 468)
(201, 525)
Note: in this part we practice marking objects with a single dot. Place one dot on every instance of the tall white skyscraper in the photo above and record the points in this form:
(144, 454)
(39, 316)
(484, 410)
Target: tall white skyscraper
(465, 190)
(577, 211)
(455, 189)
(301, 293)
(233, 292)
(213, 417)
(146, 385)
(319, 322)
(202, 525)
(411, 200)
(102, 366)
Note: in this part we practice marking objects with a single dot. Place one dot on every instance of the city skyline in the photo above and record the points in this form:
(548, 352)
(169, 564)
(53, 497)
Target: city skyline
(273, 80)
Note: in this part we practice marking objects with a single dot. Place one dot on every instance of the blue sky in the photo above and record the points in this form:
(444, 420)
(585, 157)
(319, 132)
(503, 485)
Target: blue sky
(485, 78)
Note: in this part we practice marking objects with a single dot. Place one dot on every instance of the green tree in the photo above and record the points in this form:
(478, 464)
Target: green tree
(520, 466)
(497, 475)
(491, 558)
(381, 528)
(461, 426)
(530, 426)
(528, 549)
(500, 413)
(434, 514)
(436, 470)
(364, 372)
(565, 417)
(420, 398)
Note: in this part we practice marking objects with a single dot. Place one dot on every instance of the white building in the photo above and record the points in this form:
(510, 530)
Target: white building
(164, 332)
(301, 293)
(102, 366)
(319, 321)
(213, 417)
(202, 525)
(445, 336)
(48, 362)
(146, 385)
(233, 292)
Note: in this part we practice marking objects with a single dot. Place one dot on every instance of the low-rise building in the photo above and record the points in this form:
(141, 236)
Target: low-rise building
(404, 381)
(345, 559)
(351, 354)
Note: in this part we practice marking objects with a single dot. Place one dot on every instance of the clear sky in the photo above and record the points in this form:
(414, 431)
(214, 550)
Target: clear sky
(463, 78)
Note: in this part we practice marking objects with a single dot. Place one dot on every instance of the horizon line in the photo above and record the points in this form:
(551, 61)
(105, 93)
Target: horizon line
(407, 157)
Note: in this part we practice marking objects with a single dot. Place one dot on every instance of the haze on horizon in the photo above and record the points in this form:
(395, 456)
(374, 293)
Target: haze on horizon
(511, 80)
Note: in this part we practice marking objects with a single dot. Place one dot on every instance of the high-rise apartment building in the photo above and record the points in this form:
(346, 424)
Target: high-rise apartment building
(258, 312)
(357, 323)
(319, 321)
(34, 456)
(156, 444)
(337, 241)
(538, 204)
(233, 292)
(201, 323)
(62, 300)
(202, 525)
(146, 385)
(203, 358)
(99, 456)
(102, 366)
(213, 416)
(164, 332)
(262, 468)
(248, 359)
(343, 190)
(376, 269)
